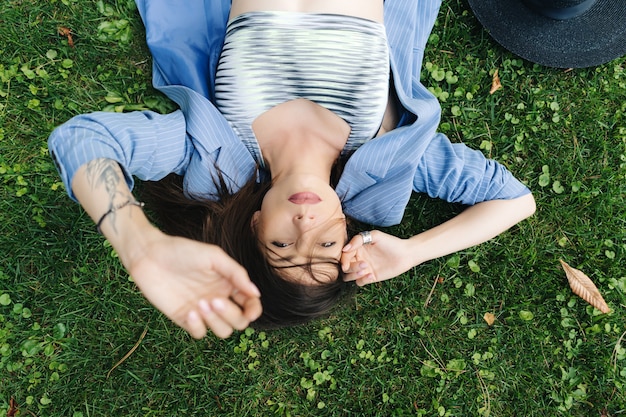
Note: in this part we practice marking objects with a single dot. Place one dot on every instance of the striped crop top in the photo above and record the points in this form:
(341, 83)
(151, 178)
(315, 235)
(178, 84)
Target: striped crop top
(339, 62)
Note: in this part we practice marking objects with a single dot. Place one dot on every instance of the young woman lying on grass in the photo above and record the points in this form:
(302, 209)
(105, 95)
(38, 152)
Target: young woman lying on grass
(294, 116)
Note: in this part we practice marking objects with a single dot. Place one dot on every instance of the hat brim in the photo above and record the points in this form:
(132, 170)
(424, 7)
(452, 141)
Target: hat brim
(593, 38)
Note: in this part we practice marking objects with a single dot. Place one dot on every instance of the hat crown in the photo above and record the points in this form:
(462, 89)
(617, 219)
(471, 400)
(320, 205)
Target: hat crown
(561, 4)
(592, 37)
(560, 9)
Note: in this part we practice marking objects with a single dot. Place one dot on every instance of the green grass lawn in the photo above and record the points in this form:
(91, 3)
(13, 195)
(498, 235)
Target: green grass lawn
(413, 346)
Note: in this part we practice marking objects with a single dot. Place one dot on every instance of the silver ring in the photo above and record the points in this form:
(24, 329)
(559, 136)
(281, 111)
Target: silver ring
(367, 237)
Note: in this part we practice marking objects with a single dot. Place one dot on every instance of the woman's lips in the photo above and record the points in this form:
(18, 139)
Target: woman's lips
(305, 198)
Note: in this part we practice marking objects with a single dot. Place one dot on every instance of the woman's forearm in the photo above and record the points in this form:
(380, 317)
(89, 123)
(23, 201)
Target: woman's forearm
(198, 286)
(473, 226)
(101, 189)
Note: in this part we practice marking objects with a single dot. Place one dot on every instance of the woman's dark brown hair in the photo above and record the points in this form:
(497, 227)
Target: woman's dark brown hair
(226, 221)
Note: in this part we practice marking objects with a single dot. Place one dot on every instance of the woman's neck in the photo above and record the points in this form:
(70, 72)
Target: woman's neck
(300, 137)
(298, 155)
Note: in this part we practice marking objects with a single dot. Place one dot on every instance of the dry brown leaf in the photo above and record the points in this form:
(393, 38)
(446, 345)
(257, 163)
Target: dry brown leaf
(63, 31)
(489, 318)
(495, 83)
(583, 287)
(13, 410)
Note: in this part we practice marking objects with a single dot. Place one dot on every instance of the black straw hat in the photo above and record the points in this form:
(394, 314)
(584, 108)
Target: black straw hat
(557, 33)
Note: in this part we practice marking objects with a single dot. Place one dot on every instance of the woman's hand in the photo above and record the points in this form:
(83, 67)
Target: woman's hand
(385, 257)
(388, 256)
(196, 285)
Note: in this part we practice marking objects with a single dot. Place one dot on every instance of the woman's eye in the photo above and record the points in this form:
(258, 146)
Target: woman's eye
(328, 244)
(280, 244)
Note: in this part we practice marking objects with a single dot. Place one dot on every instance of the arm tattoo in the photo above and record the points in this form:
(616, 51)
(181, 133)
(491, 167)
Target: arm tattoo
(106, 172)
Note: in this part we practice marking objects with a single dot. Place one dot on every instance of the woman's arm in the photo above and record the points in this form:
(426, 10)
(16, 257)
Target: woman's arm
(148, 145)
(388, 256)
(474, 225)
(196, 285)
(455, 173)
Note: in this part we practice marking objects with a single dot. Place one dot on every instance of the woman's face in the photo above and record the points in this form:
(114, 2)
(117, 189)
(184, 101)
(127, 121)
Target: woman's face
(301, 221)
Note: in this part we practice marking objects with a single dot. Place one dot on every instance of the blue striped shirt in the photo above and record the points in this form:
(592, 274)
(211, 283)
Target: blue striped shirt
(195, 140)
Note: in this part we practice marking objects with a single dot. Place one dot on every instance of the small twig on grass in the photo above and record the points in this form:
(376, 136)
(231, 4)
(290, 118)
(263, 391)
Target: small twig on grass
(432, 290)
(489, 136)
(436, 358)
(486, 397)
(456, 129)
(130, 352)
(615, 349)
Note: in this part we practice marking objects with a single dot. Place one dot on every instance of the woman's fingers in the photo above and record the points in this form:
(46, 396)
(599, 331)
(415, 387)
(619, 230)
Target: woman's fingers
(224, 315)
(194, 325)
(367, 279)
(356, 270)
(355, 243)
(251, 306)
(363, 277)
(349, 254)
(228, 268)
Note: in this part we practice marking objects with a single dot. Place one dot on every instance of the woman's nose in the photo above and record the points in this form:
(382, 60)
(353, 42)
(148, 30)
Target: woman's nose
(304, 219)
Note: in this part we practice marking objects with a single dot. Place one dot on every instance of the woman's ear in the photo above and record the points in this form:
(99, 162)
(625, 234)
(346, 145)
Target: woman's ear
(254, 221)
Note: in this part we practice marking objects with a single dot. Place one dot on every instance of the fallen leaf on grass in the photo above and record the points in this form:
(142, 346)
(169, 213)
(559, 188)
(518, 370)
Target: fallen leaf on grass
(495, 83)
(63, 31)
(489, 318)
(12, 411)
(583, 287)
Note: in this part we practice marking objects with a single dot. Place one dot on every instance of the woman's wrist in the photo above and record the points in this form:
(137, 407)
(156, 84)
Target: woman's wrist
(132, 234)
(115, 208)
(416, 250)
(101, 189)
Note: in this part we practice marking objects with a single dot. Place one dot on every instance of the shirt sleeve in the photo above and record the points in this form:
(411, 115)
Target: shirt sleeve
(145, 144)
(458, 174)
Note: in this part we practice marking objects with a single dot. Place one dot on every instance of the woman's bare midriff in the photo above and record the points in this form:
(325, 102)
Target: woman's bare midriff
(366, 9)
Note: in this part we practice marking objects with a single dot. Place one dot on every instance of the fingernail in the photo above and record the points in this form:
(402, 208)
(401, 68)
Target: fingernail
(362, 265)
(218, 304)
(347, 247)
(193, 317)
(204, 306)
